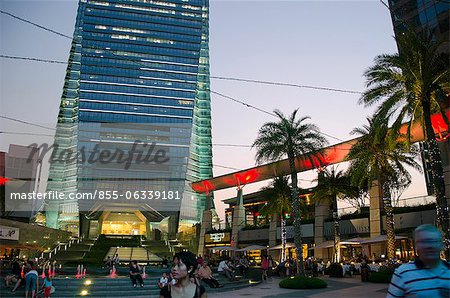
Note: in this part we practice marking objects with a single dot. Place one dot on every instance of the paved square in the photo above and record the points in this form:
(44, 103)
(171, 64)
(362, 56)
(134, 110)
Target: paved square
(337, 287)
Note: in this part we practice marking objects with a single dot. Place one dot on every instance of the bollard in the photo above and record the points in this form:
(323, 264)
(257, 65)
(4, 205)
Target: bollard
(43, 272)
(78, 275)
(144, 275)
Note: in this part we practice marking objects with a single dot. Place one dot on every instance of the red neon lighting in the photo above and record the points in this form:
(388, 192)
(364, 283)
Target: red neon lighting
(205, 187)
(3, 180)
(438, 123)
(331, 155)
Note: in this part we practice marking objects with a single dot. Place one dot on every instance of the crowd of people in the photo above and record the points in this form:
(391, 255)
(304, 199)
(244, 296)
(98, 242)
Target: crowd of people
(24, 273)
(189, 272)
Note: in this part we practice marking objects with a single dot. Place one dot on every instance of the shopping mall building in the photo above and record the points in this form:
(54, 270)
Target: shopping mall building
(362, 230)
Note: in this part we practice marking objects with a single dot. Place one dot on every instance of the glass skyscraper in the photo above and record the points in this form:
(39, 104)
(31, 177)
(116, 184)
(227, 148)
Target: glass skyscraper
(433, 15)
(418, 14)
(136, 88)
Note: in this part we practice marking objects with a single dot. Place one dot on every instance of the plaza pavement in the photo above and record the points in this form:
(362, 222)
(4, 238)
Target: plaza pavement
(337, 287)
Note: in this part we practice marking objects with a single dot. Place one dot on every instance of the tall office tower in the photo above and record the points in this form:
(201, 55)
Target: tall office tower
(418, 14)
(135, 109)
(434, 16)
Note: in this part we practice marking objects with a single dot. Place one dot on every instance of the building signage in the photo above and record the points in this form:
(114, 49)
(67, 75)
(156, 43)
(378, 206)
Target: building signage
(217, 237)
(9, 233)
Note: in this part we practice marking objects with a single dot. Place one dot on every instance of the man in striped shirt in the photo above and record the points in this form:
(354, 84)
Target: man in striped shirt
(428, 276)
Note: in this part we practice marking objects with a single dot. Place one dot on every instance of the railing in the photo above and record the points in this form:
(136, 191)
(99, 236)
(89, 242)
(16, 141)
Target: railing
(64, 246)
(412, 201)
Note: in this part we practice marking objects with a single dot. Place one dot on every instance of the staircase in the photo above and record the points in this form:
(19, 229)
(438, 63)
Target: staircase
(158, 248)
(105, 243)
(127, 254)
(72, 251)
(94, 252)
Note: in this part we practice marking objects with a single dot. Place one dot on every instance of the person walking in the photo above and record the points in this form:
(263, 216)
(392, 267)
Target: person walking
(271, 263)
(264, 267)
(428, 275)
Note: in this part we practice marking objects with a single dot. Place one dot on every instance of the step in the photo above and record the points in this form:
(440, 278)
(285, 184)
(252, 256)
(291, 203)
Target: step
(104, 287)
(68, 255)
(71, 271)
(77, 247)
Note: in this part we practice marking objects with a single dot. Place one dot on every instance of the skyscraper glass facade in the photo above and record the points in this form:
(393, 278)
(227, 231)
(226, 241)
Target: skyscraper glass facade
(431, 14)
(138, 75)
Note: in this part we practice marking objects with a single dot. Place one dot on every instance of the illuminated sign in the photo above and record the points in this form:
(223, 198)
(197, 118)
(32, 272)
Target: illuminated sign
(217, 237)
(9, 233)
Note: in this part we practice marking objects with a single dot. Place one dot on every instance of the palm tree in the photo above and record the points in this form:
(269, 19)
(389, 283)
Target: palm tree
(332, 185)
(290, 137)
(380, 155)
(411, 86)
(279, 203)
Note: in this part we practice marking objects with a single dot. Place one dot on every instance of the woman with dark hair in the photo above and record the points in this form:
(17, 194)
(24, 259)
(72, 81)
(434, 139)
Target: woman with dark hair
(183, 271)
(135, 274)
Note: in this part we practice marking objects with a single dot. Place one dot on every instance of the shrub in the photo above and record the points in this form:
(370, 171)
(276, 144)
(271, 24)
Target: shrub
(254, 273)
(380, 277)
(384, 275)
(335, 270)
(302, 282)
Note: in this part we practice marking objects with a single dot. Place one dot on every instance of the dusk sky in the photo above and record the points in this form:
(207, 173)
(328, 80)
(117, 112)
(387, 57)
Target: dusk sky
(317, 43)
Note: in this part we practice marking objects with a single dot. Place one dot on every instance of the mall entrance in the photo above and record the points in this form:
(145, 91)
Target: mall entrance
(123, 223)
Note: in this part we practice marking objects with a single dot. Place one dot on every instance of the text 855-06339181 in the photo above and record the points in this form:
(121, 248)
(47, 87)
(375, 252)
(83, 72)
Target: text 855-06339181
(138, 195)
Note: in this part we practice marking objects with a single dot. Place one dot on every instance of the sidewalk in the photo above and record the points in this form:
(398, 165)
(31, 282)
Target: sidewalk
(337, 287)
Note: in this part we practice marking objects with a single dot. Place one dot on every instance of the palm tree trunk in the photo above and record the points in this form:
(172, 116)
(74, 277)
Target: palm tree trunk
(297, 218)
(337, 234)
(283, 238)
(442, 209)
(390, 228)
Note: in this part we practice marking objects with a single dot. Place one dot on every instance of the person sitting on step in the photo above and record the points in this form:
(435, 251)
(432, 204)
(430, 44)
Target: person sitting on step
(135, 274)
(205, 274)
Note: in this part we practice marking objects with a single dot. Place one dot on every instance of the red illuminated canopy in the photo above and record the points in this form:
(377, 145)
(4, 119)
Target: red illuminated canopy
(3, 180)
(331, 155)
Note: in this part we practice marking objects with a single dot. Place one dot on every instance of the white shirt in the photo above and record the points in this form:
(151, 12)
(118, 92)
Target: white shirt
(32, 271)
(222, 266)
(163, 281)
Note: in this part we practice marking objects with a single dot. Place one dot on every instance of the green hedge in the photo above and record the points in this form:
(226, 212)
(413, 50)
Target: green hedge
(335, 270)
(384, 275)
(301, 282)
